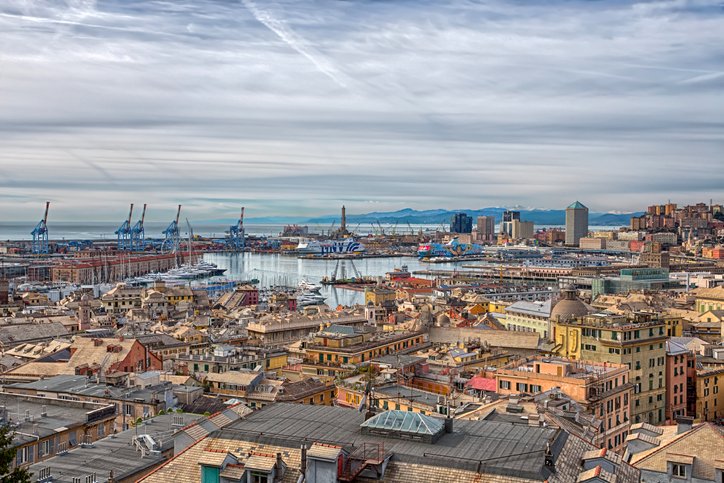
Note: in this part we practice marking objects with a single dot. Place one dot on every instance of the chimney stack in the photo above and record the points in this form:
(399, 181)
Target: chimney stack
(448, 423)
(303, 466)
(684, 424)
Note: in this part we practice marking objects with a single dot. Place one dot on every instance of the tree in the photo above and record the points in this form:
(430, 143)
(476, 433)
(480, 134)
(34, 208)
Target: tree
(7, 456)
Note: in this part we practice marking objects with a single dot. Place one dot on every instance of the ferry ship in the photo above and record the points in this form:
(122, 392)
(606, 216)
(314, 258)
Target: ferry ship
(326, 247)
(453, 248)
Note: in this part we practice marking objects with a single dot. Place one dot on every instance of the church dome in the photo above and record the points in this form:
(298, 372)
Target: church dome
(569, 307)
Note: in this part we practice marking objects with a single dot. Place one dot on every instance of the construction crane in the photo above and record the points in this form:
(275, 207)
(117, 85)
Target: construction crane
(40, 233)
(331, 227)
(382, 230)
(191, 240)
(171, 242)
(237, 240)
(138, 233)
(124, 232)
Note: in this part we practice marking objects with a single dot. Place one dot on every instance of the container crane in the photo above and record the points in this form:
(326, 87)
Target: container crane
(138, 233)
(237, 240)
(191, 241)
(171, 242)
(124, 232)
(40, 233)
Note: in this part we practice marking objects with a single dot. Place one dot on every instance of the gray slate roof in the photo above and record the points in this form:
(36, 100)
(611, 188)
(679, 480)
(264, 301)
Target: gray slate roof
(504, 448)
(115, 454)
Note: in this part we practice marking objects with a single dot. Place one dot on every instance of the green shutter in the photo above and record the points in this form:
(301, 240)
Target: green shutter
(209, 474)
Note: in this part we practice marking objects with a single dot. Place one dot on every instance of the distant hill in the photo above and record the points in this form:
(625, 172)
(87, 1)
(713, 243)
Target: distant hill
(433, 217)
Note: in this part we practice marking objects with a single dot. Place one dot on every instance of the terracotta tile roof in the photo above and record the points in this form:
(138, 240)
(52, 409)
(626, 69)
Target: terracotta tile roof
(185, 468)
(703, 444)
(324, 451)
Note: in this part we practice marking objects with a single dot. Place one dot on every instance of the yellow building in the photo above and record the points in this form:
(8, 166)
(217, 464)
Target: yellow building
(379, 296)
(567, 340)
(497, 307)
(674, 325)
(710, 394)
(709, 299)
(338, 349)
(637, 340)
(277, 361)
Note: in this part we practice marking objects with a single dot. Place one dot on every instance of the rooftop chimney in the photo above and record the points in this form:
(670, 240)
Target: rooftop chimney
(448, 424)
(683, 424)
(303, 467)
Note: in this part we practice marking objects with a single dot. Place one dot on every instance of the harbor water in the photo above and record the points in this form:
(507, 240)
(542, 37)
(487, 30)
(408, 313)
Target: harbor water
(288, 270)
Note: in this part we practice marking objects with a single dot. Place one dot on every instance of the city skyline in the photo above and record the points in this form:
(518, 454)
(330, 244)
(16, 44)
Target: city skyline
(294, 108)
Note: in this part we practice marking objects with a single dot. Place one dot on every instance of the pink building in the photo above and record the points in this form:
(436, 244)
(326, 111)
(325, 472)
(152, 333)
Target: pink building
(676, 363)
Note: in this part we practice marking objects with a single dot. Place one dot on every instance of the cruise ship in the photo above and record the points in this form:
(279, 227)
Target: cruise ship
(453, 248)
(326, 247)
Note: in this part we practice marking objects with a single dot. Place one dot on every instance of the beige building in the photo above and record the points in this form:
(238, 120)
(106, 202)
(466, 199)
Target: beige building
(521, 230)
(287, 327)
(637, 340)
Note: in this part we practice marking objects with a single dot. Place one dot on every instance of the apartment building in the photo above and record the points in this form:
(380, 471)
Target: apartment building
(635, 339)
(603, 389)
(338, 349)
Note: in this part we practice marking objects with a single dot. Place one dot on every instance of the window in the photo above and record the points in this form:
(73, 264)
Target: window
(259, 478)
(504, 384)
(24, 455)
(45, 448)
(678, 470)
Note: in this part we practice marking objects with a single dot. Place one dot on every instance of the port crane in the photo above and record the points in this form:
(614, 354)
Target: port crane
(138, 233)
(171, 242)
(237, 240)
(124, 232)
(191, 240)
(40, 233)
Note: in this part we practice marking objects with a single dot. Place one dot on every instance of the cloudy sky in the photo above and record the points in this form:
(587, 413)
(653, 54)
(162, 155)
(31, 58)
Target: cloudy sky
(293, 108)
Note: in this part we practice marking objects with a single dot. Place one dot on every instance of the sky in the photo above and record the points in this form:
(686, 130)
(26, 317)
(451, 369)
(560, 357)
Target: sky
(296, 107)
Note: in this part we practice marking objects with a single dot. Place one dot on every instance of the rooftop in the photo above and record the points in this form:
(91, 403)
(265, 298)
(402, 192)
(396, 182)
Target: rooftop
(81, 385)
(405, 422)
(577, 205)
(41, 416)
(116, 453)
(473, 451)
(511, 449)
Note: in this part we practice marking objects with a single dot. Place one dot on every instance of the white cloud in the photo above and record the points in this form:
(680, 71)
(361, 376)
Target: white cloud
(297, 107)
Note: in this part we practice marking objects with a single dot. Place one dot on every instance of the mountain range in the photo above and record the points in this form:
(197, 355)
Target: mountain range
(438, 216)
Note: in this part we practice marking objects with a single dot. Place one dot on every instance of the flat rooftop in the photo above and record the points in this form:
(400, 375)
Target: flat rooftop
(47, 416)
(116, 453)
(82, 385)
(503, 448)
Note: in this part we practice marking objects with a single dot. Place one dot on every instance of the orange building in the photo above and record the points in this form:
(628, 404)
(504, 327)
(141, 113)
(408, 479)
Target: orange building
(603, 389)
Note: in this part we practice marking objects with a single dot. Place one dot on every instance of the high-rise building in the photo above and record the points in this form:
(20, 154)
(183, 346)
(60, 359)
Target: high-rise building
(506, 225)
(521, 230)
(461, 223)
(485, 228)
(576, 223)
